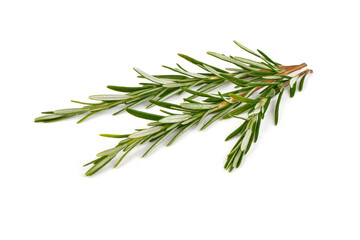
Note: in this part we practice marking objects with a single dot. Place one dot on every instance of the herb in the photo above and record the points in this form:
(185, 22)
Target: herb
(248, 78)
(160, 87)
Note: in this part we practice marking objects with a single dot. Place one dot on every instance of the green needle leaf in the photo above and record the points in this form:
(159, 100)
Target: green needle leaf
(86, 117)
(125, 89)
(109, 97)
(234, 80)
(159, 141)
(239, 110)
(127, 151)
(237, 131)
(242, 99)
(257, 64)
(292, 91)
(195, 75)
(257, 128)
(201, 94)
(293, 81)
(231, 60)
(196, 62)
(47, 118)
(261, 73)
(247, 49)
(301, 84)
(175, 118)
(115, 135)
(182, 131)
(267, 58)
(278, 106)
(165, 104)
(99, 165)
(111, 151)
(198, 106)
(146, 132)
(70, 111)
(151, 78)
(219, 115)
(144, 115)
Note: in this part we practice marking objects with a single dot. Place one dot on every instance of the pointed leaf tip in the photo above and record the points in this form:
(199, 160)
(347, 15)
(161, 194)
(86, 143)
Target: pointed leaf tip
(109, 97)
(144, 115)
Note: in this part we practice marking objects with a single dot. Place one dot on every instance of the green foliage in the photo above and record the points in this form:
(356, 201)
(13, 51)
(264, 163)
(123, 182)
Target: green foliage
(247, 78)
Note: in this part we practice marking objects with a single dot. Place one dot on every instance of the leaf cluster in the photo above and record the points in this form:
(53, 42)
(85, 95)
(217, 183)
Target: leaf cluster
(255, 84)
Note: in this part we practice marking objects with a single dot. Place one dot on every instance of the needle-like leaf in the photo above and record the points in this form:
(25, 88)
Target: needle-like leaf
(144, 115)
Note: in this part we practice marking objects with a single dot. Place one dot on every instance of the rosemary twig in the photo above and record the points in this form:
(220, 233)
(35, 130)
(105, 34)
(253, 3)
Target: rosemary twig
(193, 113)
(162, 87)
(248, 78)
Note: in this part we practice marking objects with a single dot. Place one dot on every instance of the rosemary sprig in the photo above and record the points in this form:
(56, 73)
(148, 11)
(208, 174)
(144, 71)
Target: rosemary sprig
(248, 78)
(161, 87)
(192, 113)
(186, 115)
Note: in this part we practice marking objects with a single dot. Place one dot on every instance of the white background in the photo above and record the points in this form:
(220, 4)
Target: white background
(299, 181)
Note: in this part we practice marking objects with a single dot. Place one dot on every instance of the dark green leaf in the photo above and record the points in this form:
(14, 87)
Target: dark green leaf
(242, 99)
(181, 68)
(126, 152)
(263, 83)
(196, 62)
(293, 90)
(94, 161)
(240, 110)
(86, 117)
(201, 94)
(247, 49)
(115, 135)
(301, 84)
(176, 77)
(129, 105)
(257, 128)
(125, 89)
(99, 165)
(239, 159)
(209, 88)
(165, 104)
(237, 131)
(224, 98)
(261, 73)
(144, 115)
(278, 106)
(267, 58)
(191, 101)
(234, 80)
(250, 142)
